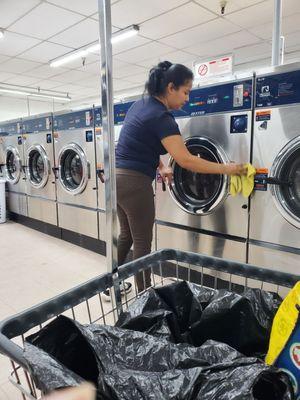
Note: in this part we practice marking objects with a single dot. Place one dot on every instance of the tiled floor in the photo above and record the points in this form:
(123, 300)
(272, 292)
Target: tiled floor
(33, 268)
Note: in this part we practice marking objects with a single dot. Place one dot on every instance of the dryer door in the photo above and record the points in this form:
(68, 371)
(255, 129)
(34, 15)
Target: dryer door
(38, 166)
(13, 165)
(73, 169)
(286, 168)
(195, 193)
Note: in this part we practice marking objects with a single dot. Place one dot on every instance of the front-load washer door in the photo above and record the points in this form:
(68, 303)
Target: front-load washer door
(38, 166)
(13, 165)
(286, 168)
(73, 169)
(200, 194)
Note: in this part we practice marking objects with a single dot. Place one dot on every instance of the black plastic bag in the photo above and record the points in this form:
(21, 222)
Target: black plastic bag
(134, 365)
(199, 314)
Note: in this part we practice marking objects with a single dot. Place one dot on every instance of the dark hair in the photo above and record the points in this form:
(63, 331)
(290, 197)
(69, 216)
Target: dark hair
(164, 73)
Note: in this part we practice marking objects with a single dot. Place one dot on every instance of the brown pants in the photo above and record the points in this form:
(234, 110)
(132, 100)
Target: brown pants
(135, 202)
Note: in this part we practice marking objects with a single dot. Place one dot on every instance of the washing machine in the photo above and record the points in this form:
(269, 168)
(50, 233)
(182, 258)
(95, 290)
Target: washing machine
(274, 235)
(15, 171)
(196, 213)
(120, 111)
(74, 151)
(39, 159)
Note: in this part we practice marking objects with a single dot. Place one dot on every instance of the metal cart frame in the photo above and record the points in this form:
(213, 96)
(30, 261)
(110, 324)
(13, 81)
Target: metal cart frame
(85, 304)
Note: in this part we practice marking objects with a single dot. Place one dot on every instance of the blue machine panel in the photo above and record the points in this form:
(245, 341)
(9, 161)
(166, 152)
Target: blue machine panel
(10, 128)
(74, 120)
(120, 111)
(37, 124)
(234, 96)
(278, 90)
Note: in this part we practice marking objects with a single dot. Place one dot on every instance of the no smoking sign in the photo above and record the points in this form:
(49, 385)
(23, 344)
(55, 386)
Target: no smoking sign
(203, 69)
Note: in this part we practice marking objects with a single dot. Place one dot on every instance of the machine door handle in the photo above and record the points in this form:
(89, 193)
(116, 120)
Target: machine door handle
(163, 185)
(89, 170)
(100, 174)
(276, 181)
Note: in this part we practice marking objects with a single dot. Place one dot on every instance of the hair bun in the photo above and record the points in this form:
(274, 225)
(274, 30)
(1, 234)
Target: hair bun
(164, 65)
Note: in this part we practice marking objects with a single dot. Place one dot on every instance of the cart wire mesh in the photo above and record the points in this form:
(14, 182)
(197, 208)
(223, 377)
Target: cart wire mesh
(86, 303)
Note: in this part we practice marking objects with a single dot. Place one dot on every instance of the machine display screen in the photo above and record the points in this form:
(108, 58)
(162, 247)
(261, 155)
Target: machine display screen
(75, 120)
(37, 125)
(234, 96)
(10, 129)
(278, 90)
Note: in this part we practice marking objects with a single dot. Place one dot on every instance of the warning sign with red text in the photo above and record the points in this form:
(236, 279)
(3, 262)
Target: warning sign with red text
(215, 67)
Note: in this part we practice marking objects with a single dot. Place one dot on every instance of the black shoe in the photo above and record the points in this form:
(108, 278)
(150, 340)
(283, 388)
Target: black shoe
(125, 288)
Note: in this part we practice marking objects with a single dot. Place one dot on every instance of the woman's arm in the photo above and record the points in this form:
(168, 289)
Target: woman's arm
(177, 149)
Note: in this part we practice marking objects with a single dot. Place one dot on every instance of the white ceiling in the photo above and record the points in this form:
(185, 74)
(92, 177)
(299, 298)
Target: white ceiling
(177, 30)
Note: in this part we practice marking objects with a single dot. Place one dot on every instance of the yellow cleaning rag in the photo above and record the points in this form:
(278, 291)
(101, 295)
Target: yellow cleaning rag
(244, 183)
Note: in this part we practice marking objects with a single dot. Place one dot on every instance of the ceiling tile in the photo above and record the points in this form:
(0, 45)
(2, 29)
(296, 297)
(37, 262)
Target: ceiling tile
(292, 40)
(11, 10)
(68, 88)
(128, 70)
(6, 75)
(90, 82)
(141, 53)
(44, 21)
(45, 52)
(176, 57)
(231, 6)
(3, 58)
(258, 14)
(83, 33)
(86, 7)
(224, 45)
(93, 68)
(250, 53)
(175, 21)
(126, 12)
(14, 44)
(45, 71)
(290, 24)
(71, 76)
(128, 44)
(201, 33)
(81, 64)
(119, 84)
(22, 80)
(18, 65)
(48, 84)
(290, 7)
(138, 78)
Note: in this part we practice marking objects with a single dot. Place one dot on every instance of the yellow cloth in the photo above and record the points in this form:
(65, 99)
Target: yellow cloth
(283, 324)
(244, 183)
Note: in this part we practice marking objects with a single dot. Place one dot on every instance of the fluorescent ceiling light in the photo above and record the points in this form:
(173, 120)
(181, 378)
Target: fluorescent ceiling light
(1, 33)
(33, 94)
(94, 47)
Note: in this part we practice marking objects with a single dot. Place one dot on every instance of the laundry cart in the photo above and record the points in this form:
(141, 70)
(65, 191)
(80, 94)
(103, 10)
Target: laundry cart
(85, 304)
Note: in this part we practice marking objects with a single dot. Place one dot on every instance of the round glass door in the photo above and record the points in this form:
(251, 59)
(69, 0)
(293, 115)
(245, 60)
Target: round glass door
(286, 168)
(73, 169)
(13, 165)
(38, 166)
(199, 193)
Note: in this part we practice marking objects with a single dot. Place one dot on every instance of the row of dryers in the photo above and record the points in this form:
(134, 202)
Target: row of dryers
(252, 119)
(54, 169)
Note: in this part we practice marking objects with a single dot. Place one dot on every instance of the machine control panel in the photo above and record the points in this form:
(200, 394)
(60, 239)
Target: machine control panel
(233, 96)
(39, 124)
(278, 89)
(120, 111)
(10, 128)
(239, 123)
(73, 120)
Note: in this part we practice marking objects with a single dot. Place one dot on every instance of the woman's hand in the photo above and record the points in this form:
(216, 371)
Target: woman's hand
(166, 173)
(234, 169)
(85, 391)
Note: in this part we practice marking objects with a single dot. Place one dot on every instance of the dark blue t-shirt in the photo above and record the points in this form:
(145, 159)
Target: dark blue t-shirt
(147, 122)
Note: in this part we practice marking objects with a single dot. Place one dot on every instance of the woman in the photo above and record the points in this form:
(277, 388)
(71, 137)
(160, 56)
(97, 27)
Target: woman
(150, 130)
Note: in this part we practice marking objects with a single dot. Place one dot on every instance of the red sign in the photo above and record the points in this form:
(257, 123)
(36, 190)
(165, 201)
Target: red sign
(202, 70)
